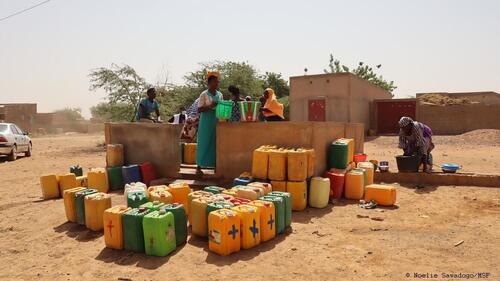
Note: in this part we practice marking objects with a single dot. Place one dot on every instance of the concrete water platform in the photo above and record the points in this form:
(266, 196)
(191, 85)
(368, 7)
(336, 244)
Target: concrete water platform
(436, 178)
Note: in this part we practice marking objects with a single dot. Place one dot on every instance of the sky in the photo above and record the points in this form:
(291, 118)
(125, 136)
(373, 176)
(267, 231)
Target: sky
(47, 53)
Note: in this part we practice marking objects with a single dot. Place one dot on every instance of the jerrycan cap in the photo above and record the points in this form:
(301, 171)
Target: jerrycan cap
(251, 210)
(142, 209)
(175, 204)
(162, 212)
(230, 213)
(267, 204)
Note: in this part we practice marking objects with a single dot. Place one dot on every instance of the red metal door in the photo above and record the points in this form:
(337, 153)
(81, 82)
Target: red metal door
(317, 110)
(389, 113)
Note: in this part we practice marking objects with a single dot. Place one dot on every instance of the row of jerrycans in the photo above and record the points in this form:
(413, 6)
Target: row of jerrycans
(247, 225)
(154, 228)
(86, 206)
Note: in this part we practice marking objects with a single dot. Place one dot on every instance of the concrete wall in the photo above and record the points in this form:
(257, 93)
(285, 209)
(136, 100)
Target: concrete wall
(159, 143)
(459, 119)
(347, 97)
(236, 142)
(156, 143)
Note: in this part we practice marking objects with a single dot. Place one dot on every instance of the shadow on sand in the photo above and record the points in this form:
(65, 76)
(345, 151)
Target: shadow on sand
(78, 232)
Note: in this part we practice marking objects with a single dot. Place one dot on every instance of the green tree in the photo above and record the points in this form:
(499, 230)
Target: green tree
(276, 82)
(114, 112)
(124, 88)
(363, 71)
(72, 114)
(240, 74)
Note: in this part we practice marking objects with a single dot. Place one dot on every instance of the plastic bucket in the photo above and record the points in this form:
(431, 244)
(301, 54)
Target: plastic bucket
(408, 163)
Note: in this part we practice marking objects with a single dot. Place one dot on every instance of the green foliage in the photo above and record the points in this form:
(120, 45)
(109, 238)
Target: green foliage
(276, 82)
(114, 112)
(174, 97)
(240, 74)
(72, 114)
(121, 83)
(124, 88)
(363, 71)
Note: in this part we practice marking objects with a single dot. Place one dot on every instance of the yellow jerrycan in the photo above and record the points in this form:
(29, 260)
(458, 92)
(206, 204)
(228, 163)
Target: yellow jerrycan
(297, 165)
(95, 205)
(180, 193)
(311, 159)
(113, 230)
(267, 187)
(224, 236)
(249, 224)
(277, 164)
(198, 217)
(69, 203)
(370, 171)
(161, 195)
(279, 185)
(66, 181)
(50, 187)
(82, 181)
(260, 162)
(189, 156)
(114, 155)
(354, 185)
(250, 193)
(298, 191)
(98, 179)
(267, 219)
(384, 195)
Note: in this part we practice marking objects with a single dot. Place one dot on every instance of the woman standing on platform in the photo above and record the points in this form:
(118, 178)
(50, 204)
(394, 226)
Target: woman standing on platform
(205, 153)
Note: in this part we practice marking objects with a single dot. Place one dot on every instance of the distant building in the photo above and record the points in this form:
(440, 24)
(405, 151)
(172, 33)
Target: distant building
(339, 97)
(23, 114)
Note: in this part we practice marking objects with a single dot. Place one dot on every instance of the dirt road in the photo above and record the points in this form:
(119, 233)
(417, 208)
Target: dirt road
(341, 242)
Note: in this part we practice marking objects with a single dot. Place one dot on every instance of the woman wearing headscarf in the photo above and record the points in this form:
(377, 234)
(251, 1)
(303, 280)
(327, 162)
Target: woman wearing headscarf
(272, 109)
(191, 126)
(205, 152)
(415, 138)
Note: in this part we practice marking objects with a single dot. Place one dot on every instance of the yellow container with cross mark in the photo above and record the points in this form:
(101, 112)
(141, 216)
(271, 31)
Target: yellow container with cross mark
(112, 220)
(267, 219)
(249, 225)
(224, 236)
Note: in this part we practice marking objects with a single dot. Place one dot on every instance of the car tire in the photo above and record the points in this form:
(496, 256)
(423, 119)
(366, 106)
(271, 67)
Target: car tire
(28, 152)
(13, 154)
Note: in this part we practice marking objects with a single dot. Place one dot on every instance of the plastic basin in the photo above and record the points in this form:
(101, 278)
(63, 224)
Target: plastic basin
(408, 163)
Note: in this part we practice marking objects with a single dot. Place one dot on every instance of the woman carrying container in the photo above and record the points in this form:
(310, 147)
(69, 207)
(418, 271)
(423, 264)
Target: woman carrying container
(235, 113)
(205, 153)
(272, 109)
(415, 138)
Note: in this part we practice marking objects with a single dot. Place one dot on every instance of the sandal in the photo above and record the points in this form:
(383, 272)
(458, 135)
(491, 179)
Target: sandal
(368, 205)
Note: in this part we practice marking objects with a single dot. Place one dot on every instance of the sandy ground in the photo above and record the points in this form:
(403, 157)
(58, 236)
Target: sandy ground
(340, 242)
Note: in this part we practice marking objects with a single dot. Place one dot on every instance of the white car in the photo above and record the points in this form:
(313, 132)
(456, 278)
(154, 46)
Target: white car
(13, 140)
